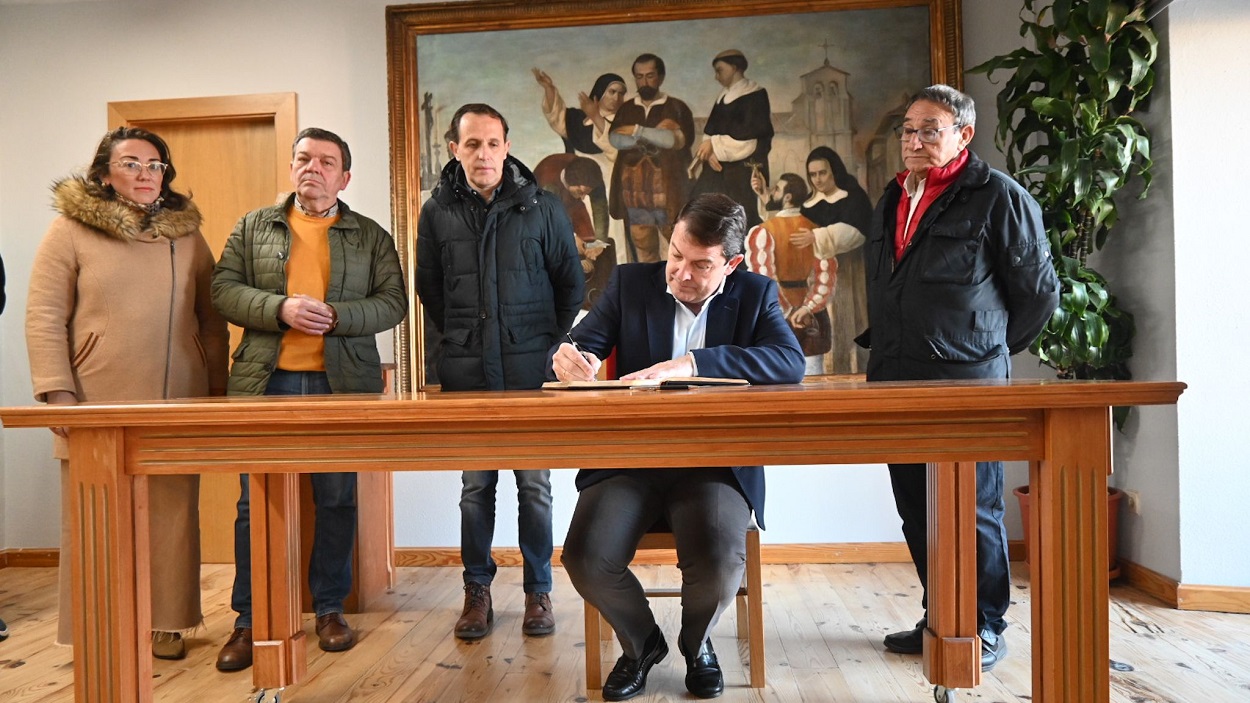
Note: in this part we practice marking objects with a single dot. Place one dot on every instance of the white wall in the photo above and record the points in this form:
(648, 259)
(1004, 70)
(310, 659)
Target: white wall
(1140, 261)
(61, 63)
(1209, 56)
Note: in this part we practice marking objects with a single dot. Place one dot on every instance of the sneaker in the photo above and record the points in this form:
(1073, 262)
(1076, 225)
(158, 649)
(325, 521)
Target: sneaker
(168, 645)
(993, 649)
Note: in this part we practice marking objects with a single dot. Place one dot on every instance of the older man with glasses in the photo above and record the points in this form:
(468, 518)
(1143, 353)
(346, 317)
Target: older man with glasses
(959, 278)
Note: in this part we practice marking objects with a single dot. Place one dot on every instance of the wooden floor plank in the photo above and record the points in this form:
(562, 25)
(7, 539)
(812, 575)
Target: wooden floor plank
(823, 630)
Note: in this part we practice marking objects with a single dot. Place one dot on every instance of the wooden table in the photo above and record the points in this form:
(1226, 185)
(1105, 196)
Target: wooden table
(1061, 427)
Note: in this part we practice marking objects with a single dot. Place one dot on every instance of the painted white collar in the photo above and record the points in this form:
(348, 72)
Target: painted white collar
(746, 86)
(831, 198)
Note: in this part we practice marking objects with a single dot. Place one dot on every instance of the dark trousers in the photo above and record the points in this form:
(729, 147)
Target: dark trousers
(334, 533)
(709, 518)
(993, 572)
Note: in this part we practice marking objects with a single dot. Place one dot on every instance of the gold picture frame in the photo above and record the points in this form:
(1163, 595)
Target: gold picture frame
(591, 36)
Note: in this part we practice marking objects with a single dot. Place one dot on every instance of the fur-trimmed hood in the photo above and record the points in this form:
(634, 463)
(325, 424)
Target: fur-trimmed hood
(71, 198)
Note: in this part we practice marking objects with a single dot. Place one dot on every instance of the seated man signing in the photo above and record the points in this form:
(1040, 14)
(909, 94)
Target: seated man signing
(695, 314)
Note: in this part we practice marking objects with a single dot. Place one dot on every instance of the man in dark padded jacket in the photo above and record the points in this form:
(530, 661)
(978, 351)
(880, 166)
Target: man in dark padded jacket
(498, 274)
(959, 278)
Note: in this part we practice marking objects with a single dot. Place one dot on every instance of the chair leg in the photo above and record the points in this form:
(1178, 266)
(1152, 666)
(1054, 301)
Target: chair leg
(755, 610)
(741, 607)
(594, 650)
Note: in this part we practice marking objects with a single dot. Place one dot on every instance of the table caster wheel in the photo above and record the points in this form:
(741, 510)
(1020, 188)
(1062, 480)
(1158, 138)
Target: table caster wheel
(274, 697)
(942, 694)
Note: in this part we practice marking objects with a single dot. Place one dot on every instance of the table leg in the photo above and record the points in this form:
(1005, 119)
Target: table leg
(110, 572)
(952, 650)
(1068, 558)
(279, 656)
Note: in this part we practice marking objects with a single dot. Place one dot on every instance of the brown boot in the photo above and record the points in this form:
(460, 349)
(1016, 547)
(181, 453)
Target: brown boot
(237, 654)
(334, 634)
(540, 619)
(478, 616)
(168, 645)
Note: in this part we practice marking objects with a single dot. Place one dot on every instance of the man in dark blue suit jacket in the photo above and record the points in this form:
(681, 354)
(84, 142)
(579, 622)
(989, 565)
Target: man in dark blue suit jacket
(695, 314)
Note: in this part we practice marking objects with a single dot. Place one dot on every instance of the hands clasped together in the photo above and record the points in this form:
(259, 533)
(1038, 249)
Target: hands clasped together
(308, 315)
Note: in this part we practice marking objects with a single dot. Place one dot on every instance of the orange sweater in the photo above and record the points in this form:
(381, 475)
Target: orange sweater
(307, 272)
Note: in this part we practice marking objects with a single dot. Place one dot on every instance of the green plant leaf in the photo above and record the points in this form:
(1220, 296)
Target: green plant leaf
(1114, 80)
(1061, 10)
(1082, 178)
(1096, 333)
(1096, 12)
(1140, 67)
(1116, 12)
(1148, 36)
(1078, 297)
(1099, 53)
(1052, 107)
(1067, 129)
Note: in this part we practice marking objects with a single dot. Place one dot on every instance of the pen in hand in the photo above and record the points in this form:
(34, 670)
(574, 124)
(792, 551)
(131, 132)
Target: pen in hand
(575, 347)
(581, 374)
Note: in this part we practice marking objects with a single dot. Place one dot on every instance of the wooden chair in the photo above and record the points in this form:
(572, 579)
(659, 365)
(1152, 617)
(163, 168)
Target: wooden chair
(750, 610)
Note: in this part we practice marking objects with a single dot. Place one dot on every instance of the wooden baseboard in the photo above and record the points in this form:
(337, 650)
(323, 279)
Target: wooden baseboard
(1220, 599)
(1151, 582)
(29, 557)
(1223, 599)
(1185, 596)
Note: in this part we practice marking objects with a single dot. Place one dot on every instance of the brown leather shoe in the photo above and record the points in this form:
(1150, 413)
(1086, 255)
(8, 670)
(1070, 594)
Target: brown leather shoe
(334, 632)
(478, 615)
(540, 619)
(237, 654)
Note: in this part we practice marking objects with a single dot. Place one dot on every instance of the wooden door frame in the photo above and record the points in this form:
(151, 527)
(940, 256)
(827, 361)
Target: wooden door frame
(281, 108)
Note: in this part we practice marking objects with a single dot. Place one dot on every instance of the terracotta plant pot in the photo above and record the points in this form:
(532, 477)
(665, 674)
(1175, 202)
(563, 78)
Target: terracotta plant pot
(1113, 525)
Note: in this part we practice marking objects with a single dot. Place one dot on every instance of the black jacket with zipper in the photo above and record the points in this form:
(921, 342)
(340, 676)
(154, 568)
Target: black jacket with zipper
(501, 280)
(975, 285)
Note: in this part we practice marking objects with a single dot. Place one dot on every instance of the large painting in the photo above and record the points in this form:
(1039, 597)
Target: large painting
(807, 93)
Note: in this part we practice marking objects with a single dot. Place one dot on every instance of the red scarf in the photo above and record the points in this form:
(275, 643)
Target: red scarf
(936, 182)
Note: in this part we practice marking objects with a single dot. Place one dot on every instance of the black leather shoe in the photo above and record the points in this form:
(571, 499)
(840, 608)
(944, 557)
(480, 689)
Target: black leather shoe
(993, 649)
(629, 676)
(907, 641)
(703, 675)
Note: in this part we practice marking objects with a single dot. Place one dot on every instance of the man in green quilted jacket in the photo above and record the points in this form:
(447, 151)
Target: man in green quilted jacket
(310, 282)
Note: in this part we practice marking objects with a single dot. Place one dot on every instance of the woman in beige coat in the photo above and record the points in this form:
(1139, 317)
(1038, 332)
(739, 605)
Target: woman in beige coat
(120, 309)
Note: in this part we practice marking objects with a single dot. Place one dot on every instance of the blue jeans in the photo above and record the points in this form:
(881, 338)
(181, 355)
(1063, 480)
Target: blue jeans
(334, 534)
(477, 526)
(993, 571)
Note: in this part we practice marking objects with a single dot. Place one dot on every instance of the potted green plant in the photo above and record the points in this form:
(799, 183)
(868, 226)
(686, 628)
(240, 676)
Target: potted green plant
(1066, 126)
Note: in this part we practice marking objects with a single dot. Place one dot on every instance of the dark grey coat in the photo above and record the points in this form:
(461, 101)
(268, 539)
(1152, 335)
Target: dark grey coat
(500, 281)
